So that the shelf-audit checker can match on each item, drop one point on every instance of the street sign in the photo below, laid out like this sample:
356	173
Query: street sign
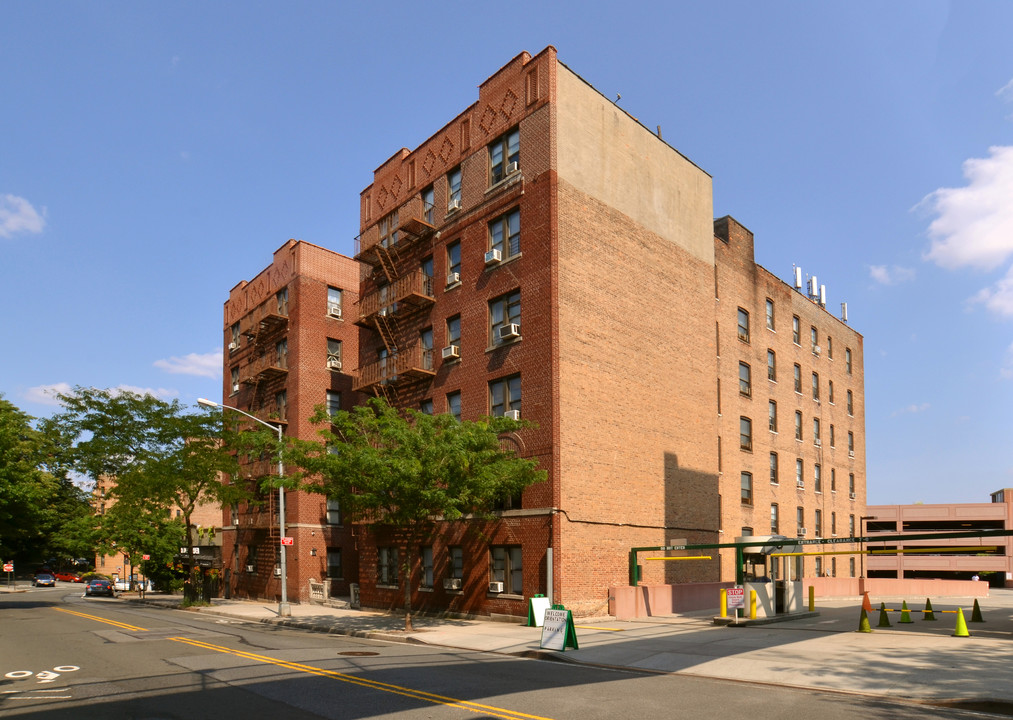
145	557
8	567
287	541
736	598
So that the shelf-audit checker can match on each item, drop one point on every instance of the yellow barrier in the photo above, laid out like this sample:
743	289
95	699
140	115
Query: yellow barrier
724	603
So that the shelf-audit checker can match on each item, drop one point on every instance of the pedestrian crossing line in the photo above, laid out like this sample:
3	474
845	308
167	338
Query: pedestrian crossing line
125	626
486	710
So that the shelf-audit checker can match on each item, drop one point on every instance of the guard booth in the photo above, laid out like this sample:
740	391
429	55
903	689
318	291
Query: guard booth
776	578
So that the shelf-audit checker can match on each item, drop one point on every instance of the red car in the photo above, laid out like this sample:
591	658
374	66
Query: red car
68	576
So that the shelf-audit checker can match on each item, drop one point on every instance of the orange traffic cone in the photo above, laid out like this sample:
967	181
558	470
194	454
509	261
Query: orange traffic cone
866	604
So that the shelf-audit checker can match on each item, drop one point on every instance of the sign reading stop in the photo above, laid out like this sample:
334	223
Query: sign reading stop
287	541
8	567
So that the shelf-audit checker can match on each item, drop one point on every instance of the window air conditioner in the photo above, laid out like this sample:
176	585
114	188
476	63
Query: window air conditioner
333	363
510	330
334	311
817	442
493	256
234	345
851	453
801	532
453	278
800	483
817	350
454	205
251	568
851	495
495	587
451	352
512	414
451	583
277	572
511	168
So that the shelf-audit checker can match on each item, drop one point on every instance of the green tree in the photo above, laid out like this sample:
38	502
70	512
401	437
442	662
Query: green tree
161	456
405	471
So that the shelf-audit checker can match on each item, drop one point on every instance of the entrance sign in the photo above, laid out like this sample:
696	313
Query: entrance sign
558	630
287	541
736	598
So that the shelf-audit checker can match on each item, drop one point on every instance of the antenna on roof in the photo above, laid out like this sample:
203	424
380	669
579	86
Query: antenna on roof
798	276
844	311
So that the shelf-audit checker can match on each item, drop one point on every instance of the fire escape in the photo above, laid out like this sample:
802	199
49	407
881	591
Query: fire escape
395	308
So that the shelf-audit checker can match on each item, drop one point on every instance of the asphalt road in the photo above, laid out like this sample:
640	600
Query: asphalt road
64	656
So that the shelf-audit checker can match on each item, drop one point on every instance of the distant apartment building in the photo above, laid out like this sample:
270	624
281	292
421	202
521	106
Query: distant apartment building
988	558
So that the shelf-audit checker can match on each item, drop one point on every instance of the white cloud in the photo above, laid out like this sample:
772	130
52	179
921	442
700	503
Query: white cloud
891	276
1005	92
46	394
160	393
911	409
999	297
18	216
206	365
974	223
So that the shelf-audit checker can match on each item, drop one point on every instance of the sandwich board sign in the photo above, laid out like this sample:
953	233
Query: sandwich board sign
558	630
537	606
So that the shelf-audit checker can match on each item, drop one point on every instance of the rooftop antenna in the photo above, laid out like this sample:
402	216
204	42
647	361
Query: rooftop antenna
618	98
798	276
823	296
844	311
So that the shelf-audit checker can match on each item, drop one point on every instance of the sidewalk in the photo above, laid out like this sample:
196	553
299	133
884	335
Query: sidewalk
920	660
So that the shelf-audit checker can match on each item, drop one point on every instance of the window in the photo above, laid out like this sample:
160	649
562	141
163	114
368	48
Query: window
333	510
847	360
819	564
771	366
814	338
426	406
770	314
851	443
774	480
505	567
816	387
772	415
833	480
743	325
800	518
234	331
798	378
454	190
388	230
746	480
386	566
334	569
832	443
251	558
851	567
799	473
851	403
745	380
851	526
798	424
830	347
429	205
504	155
282	299
426	555
334	296
333	354
796	330
833	523
333	402
281	353
830	391
851	483
505	311
818	518
505	234
775	521
235	380
426	344
817	436
745	433
818	478
454	262
454	330
281	404
426	266
455	562
454	404
504	395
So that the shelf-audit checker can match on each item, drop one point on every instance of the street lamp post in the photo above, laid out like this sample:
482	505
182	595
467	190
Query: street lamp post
284	609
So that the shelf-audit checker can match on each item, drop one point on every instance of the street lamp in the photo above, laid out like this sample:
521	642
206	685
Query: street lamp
284	609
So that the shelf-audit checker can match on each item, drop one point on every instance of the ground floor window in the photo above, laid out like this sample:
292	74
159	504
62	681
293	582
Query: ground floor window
426	554
334	570
506	568
386	566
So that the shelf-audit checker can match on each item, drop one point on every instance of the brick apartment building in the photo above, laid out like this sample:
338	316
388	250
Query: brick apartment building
288	344
544	254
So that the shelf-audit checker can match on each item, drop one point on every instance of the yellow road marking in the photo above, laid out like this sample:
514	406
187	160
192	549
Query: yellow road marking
363	682
599	627
125	626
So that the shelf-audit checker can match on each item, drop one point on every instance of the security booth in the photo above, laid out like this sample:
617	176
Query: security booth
765	568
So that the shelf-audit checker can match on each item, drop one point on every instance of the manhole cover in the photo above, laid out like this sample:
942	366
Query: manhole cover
358	653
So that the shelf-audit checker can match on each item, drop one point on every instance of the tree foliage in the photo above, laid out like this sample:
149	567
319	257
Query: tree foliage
405	470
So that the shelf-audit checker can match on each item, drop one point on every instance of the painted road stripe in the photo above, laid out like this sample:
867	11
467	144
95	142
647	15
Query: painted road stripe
599	627
488	710
125	626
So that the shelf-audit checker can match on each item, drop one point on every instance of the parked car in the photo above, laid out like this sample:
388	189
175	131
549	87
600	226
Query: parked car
44	580
99	586
68	577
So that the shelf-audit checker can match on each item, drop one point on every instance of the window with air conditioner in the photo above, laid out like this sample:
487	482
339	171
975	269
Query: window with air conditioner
504	155
333	354
334	302
451	352
505	318
506	569
504	237
505	395
454	190
453	263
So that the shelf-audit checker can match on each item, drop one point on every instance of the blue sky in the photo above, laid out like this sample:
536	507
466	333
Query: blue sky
153	155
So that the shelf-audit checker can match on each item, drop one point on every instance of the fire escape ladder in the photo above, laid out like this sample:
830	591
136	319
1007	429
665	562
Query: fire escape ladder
388	262
389	328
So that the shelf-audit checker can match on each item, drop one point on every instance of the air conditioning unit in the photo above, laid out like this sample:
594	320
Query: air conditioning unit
801	532
454	205
334	311
512	414
451	583
234	345
453	278
495	587
251	568
333	363
451	352
511	168
851	495
817	350
800	484
510	330
817	442
383	312
493	256
851	453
